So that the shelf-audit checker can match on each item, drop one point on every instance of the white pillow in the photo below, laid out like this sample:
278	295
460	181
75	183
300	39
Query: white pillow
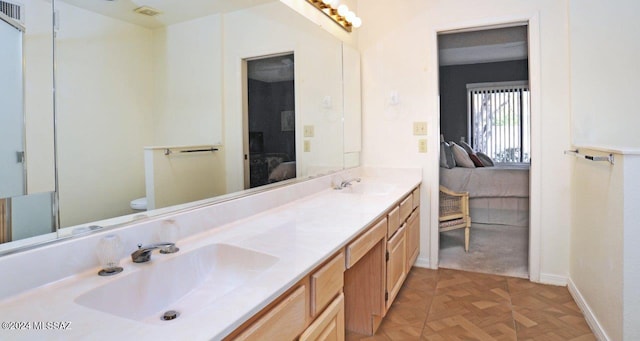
461	156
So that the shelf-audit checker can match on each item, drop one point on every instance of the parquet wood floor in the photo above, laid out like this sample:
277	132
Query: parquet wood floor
456	305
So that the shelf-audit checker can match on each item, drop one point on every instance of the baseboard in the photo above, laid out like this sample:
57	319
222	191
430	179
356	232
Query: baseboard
592	321
423	262
553	279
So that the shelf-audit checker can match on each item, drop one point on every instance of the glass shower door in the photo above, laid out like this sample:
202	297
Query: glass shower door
12	172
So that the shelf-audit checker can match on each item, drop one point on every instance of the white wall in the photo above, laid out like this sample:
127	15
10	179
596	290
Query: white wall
187	106
104	77
605	50
398	47
179	178
275	28
597	239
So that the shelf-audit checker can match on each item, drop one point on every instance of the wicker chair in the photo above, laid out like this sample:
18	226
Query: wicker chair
454	213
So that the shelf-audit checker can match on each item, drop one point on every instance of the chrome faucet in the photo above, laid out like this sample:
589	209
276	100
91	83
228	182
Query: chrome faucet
143	253
347	183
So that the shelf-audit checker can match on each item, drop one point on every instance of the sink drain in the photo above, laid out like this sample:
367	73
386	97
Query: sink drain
170	315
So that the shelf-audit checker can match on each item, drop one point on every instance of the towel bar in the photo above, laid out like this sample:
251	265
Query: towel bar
576	153
168	151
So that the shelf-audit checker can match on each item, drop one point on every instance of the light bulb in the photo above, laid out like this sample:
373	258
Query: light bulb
326	2
357	22
334	3
350	16
343	10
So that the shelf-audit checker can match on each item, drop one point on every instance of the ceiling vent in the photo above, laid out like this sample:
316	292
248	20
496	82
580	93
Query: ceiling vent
12	10
146	10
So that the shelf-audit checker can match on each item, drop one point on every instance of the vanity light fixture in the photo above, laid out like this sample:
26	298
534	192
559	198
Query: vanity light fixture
339	13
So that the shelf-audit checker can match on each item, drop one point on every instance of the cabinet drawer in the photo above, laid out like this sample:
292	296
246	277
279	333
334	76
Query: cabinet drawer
393	223
329	326
416	197
406	206
365	242
326	283
285	321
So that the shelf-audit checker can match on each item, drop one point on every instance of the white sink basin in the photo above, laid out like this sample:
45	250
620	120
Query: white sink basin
370	188
184	283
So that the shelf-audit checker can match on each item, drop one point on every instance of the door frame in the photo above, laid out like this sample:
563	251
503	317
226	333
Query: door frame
535	175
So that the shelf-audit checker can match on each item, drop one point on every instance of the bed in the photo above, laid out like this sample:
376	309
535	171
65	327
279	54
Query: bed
497	195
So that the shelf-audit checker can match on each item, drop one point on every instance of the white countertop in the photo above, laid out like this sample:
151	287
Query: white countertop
302	234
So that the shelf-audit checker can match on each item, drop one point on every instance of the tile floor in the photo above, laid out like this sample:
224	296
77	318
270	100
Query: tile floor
456	305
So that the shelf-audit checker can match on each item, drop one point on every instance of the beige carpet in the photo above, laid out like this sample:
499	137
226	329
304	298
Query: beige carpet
493	249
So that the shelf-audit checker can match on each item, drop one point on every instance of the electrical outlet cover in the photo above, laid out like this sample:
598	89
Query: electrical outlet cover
422	145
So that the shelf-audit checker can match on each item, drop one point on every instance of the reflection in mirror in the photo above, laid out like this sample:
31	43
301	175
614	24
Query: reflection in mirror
352	106
270	121
150	108
130	87
12	169
26	121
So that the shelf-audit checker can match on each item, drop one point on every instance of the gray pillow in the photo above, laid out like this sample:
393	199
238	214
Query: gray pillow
461	156
466	147
447	159
485	159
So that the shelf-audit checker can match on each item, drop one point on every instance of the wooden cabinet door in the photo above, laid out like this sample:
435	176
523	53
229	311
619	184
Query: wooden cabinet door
329	326
285	321
326	283
413	238
396	264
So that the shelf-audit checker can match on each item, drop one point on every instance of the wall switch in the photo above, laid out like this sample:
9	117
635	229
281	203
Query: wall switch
422	145
308	131
307	146
419	128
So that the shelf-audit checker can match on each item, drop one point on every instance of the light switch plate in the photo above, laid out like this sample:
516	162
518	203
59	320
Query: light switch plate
307	146
308	131
422	145
419	128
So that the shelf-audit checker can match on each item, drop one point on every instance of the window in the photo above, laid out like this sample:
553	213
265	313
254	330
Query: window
500	120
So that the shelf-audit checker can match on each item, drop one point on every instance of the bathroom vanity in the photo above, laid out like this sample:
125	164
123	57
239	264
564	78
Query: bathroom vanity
327	261
351	290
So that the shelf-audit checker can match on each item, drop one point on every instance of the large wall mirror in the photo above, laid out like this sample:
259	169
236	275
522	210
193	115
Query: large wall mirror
165	103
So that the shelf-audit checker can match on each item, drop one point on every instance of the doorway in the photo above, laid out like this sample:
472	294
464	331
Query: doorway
485	116
269	120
